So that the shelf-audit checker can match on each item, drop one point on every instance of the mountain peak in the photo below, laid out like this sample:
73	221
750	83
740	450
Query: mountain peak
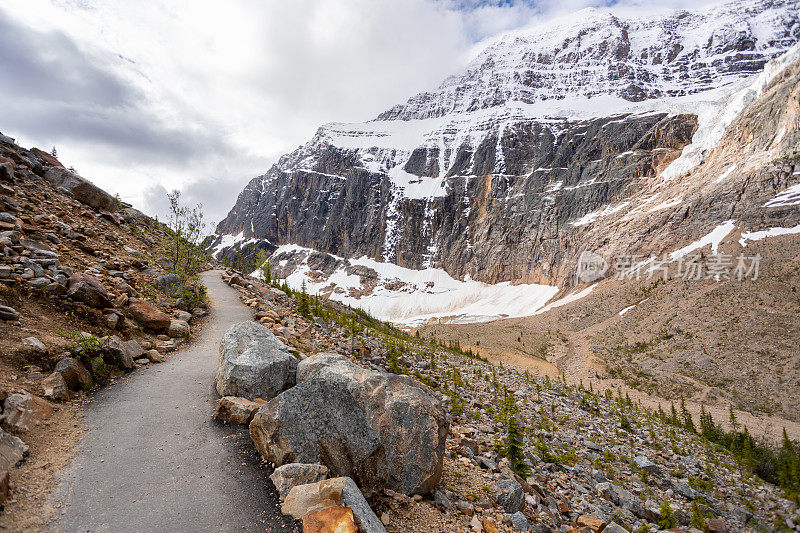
635	57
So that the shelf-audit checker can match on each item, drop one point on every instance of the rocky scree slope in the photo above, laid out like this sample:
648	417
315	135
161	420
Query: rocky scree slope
596	461
498	172
83	299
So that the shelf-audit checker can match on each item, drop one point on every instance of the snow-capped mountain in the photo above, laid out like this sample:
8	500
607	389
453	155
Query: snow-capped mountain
594	53
505	172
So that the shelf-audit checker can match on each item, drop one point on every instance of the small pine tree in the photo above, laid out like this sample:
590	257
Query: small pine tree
262	260
393	360
513	447
666	517
688	423
698	519
673	416
303	307
54	152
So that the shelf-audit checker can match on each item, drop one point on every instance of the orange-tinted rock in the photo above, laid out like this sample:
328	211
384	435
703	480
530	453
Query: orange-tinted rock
330	520
595	524
150	316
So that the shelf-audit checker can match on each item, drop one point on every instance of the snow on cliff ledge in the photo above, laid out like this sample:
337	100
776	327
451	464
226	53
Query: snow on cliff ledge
409	297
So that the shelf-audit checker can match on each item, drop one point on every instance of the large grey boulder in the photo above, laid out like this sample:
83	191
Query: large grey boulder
81	189
321	422
383	430
253	363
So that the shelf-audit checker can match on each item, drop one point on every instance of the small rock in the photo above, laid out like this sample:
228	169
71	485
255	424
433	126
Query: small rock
23	411
121	353
8	313
154	356
35	344
442	500
293	474
475	524
12	450
645	464
595	524
304	499
74	373
509	495
716	525
183	315
519	521
87	289
465	507
111	321
237	410
150	316
55	388
178	329
684	490
168	284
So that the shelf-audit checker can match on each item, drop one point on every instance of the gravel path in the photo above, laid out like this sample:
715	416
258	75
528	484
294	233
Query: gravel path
154	460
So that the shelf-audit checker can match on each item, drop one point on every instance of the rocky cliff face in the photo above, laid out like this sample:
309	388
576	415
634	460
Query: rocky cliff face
505	171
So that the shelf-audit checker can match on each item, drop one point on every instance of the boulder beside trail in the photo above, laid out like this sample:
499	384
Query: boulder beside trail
74	373
150	316
178	329
330	519
170	284
383	430
253	363
122	353
23	411
12	450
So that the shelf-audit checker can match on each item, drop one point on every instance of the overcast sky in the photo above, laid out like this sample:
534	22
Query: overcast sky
203	95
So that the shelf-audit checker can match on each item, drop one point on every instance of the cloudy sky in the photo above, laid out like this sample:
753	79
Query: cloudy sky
202	95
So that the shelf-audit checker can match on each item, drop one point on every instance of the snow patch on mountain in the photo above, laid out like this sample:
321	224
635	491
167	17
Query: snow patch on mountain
765	234
413	297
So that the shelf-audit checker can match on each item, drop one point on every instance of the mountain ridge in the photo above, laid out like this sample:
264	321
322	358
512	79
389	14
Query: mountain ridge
510	192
